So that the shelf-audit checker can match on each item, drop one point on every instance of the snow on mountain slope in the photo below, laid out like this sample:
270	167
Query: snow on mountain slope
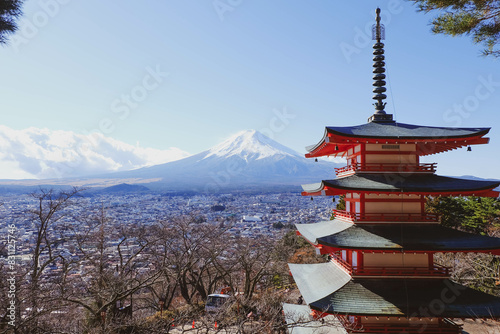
246	159
250	145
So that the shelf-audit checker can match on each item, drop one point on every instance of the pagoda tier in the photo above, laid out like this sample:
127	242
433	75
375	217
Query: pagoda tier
408	183
394	237
337	141
327	288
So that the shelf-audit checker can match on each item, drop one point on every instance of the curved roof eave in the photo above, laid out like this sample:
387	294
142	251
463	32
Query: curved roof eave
397	132
328	288
408	297
428	184
318	280
404	131
408	237
313	147
312	232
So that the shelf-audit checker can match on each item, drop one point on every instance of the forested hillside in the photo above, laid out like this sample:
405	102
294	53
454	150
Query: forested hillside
475	215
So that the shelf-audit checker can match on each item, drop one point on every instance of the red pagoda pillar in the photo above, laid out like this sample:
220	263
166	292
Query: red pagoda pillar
382	277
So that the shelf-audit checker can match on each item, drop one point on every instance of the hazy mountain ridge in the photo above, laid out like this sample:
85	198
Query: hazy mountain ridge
246	159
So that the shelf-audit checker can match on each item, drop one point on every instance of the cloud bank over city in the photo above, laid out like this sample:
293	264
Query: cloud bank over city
41	153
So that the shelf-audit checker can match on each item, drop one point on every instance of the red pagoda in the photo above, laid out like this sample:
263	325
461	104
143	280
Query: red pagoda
382	277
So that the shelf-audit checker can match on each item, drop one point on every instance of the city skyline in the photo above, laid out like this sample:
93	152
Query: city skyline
183	76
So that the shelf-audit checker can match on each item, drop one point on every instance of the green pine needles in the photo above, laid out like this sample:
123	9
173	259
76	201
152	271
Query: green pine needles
10	10
478	18
473	214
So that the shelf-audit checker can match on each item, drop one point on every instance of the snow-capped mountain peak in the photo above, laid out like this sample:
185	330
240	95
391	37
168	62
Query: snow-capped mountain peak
245	161
250	145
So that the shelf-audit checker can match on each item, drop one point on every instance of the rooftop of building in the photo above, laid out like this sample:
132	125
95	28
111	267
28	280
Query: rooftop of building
427	184
396	237
327	288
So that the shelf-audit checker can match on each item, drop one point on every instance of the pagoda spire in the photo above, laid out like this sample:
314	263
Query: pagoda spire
378	34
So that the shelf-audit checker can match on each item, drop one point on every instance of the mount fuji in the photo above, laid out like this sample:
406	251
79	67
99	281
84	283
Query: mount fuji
245	161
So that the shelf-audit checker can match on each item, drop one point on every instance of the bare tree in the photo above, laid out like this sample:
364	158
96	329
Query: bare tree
189	249
116	268
48	213
479	271
255	259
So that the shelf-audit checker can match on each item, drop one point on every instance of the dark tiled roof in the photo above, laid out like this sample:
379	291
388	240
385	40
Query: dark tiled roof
409	297
405	131
324	288
408	237
427	183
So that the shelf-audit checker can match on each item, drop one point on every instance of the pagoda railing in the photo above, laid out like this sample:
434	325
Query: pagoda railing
445	327
408	329
385	167
336	258
434	270
386	217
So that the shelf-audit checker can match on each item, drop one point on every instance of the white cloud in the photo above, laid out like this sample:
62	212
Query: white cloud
43	153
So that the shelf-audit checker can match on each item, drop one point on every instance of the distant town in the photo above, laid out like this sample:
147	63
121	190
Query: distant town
244	215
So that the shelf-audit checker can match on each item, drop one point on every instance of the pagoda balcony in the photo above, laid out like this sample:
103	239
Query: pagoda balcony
445	328
386	217
408	330
385	167
435	270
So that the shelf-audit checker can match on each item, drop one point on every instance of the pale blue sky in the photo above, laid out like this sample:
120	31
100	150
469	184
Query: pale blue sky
285	67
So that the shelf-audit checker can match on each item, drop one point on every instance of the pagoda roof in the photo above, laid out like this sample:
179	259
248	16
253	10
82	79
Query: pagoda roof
430	139
312	232
428	184
405	297
395	236
404	131
318	280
